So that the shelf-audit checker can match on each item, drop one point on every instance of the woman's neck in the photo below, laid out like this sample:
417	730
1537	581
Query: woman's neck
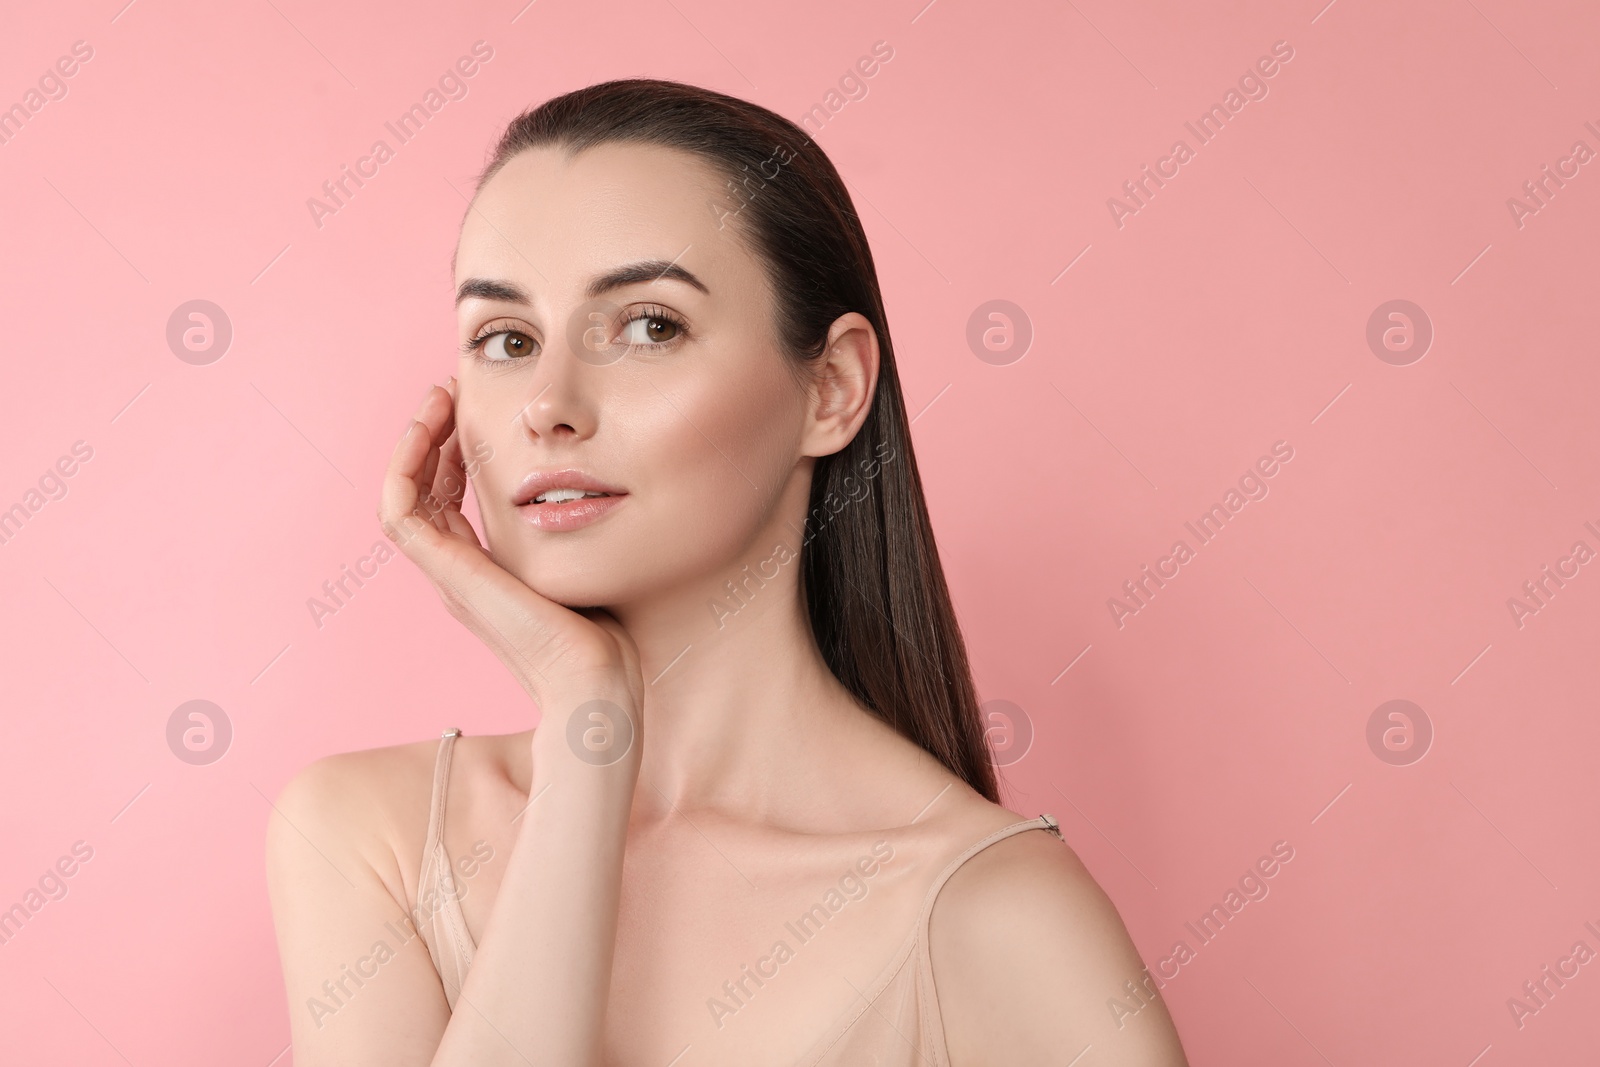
739	702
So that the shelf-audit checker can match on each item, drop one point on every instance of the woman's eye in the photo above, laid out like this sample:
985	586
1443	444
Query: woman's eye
647	330
508	344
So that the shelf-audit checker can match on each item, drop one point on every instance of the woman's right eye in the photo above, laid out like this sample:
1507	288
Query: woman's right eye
507	345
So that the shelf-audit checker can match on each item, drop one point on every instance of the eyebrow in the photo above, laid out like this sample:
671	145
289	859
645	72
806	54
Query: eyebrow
648	270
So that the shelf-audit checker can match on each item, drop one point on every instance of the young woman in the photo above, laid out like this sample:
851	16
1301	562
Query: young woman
757	822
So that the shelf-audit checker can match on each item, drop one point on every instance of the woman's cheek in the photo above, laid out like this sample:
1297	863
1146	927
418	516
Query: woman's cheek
705	485
478	452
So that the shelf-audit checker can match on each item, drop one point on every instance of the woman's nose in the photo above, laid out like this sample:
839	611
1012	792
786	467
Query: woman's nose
564	390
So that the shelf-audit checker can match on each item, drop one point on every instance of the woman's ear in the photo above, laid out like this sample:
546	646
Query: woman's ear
845	379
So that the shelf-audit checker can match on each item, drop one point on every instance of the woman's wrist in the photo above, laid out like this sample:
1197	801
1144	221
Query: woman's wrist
572	792
588	734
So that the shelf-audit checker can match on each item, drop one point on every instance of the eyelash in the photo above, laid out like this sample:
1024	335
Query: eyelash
649	311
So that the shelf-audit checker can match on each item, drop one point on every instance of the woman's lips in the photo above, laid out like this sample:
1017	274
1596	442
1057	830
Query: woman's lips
570	514
538	483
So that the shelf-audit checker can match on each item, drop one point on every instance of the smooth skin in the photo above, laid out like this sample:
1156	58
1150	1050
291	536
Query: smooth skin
618	897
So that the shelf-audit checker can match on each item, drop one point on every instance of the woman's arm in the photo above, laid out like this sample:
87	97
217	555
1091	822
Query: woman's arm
1030	956
361	987
539	982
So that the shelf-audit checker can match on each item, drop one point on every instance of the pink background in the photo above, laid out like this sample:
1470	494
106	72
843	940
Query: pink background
1229	313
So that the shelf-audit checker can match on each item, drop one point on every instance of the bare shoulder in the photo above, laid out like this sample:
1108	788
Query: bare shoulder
1029	954
344	843
364	806
372	805
370	773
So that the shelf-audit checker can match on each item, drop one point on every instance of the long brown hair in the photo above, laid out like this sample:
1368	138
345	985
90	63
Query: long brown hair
874	589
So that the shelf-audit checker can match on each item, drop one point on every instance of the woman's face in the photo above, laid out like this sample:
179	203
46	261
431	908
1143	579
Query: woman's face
621	340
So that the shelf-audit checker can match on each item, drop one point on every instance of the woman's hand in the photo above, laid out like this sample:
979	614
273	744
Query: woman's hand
541	972
559	656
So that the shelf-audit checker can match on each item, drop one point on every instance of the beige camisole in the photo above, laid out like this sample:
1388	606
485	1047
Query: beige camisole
895	1023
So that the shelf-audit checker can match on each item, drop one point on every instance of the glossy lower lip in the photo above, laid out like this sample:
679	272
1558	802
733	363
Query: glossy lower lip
571	514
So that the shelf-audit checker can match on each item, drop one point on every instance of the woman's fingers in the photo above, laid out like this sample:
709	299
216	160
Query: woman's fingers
449	488
449	480
454	488
437	413
547	646
524	628
435	421
399	499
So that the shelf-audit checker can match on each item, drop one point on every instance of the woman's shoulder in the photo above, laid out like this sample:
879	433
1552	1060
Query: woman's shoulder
372	805
355	808
389	779
358	785
1023	922
1010	890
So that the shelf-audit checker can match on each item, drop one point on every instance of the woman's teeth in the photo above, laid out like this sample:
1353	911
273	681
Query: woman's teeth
561	496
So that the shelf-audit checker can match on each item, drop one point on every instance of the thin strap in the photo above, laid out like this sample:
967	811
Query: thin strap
1043	822
441	787
936	1053
914	950
439	917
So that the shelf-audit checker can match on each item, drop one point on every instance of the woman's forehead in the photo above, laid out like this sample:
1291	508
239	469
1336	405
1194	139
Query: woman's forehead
604	192
560	219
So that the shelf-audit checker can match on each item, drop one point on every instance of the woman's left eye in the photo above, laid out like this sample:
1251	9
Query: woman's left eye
648	330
